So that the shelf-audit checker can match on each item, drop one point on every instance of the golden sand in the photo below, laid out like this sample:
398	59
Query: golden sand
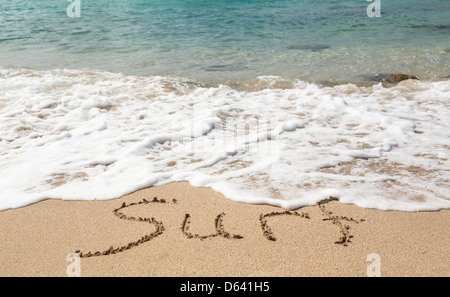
179	230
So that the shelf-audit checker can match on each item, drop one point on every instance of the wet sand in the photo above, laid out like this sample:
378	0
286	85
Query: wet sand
189	231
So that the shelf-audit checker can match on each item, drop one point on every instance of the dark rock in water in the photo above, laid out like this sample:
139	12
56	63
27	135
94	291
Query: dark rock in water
309	47
393	78
447	50
432	27
218	68
401	77
446	26
225	67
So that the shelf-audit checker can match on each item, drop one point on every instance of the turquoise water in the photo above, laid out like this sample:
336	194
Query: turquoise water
230	40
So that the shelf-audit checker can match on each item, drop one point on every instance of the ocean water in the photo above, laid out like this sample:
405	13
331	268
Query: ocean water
331	41
274	102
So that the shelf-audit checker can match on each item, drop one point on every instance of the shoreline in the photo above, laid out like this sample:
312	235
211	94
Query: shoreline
357	128
253	83
190	231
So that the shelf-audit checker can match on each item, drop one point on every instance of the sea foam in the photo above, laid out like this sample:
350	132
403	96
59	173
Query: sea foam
85	135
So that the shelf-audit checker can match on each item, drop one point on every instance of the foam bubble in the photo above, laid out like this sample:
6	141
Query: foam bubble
86	135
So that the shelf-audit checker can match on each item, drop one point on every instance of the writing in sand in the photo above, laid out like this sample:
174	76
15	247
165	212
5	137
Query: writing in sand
344	230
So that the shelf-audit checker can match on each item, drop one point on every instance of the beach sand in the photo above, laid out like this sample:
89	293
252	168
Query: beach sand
241	239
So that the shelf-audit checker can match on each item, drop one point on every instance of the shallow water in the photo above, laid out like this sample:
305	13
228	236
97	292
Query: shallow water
222	41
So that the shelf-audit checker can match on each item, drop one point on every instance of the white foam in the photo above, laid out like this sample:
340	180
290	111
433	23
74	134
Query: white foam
89	135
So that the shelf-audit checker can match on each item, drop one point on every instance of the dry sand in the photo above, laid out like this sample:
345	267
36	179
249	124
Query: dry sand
36	240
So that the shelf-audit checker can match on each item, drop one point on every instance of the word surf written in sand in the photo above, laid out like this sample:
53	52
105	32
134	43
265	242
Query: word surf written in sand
220	231
219	226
